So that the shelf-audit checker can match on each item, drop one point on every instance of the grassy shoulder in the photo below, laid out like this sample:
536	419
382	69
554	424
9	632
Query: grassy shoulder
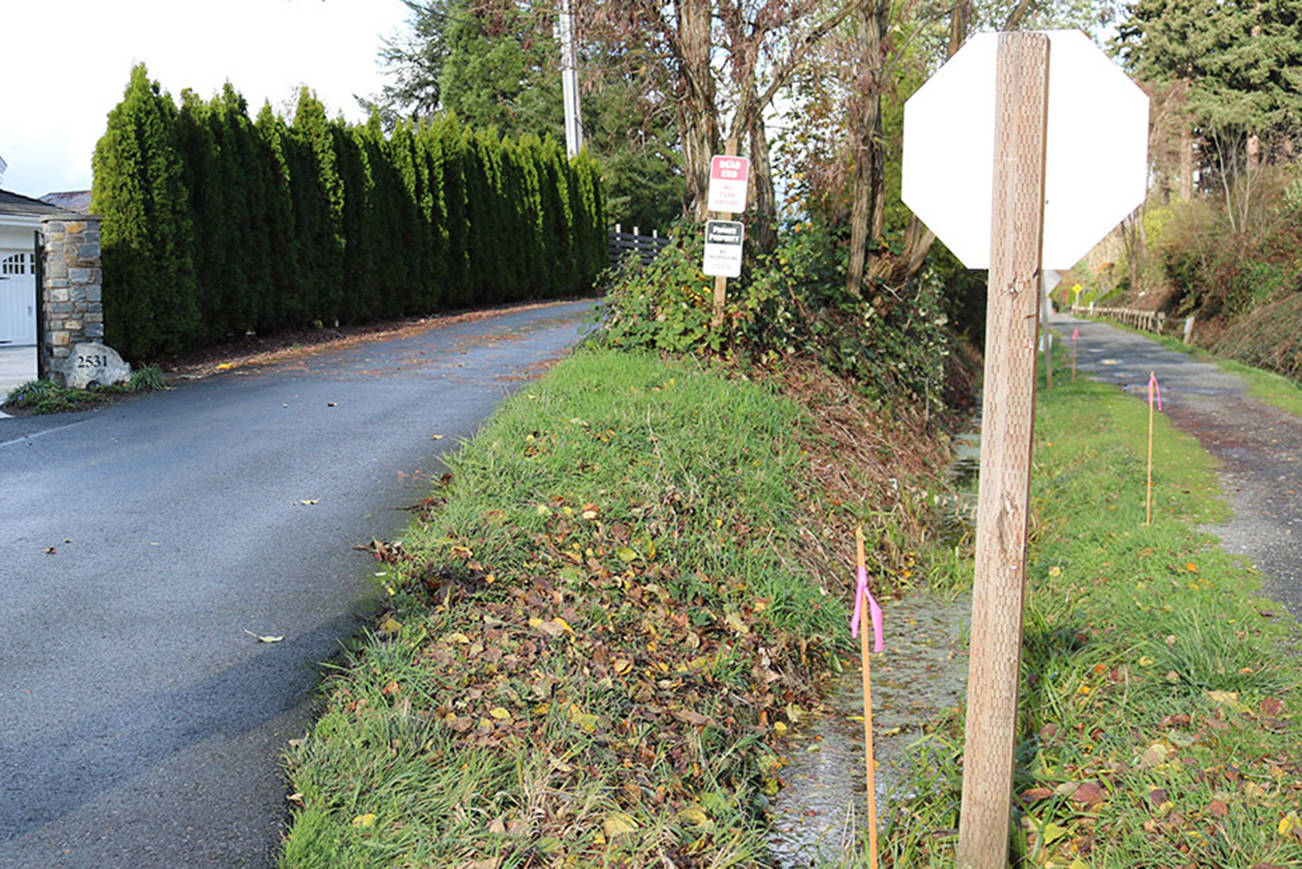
600	629
1160	718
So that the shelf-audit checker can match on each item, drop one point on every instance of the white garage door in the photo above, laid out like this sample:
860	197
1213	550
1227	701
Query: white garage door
17	297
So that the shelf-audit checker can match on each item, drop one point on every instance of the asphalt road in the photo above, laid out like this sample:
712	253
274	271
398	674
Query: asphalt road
140	725
1259	447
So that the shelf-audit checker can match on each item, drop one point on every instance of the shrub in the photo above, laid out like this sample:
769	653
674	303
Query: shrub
215	224
792	301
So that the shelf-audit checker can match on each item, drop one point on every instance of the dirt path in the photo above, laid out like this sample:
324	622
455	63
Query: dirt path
1259	446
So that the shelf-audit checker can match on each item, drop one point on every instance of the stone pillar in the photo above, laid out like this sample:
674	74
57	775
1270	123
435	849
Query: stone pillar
74	311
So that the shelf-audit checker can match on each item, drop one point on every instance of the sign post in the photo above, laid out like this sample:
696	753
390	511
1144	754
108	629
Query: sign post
1005	101
1013	299
729	175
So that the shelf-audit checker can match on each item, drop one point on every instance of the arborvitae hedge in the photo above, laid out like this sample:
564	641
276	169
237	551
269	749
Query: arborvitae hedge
215	224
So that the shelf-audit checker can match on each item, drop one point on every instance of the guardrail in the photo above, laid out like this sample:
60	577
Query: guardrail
1150	321
626	244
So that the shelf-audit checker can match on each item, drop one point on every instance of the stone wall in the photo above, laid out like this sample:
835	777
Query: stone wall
74	311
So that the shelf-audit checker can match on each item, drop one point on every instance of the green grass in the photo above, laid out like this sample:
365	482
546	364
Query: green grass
44	396
595	635
1159	721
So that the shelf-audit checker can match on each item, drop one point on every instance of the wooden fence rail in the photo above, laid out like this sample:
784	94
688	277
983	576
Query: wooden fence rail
1150	321
626	244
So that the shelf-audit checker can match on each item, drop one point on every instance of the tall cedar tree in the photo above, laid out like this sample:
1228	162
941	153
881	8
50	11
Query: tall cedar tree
146	235
284	225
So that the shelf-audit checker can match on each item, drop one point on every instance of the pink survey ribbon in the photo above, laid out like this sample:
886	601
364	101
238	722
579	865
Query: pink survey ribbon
876	612
1075	333
1154	389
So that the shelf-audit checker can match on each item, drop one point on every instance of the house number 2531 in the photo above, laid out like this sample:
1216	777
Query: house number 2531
92	361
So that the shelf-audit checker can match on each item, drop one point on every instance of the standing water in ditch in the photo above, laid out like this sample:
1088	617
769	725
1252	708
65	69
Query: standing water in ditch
820	816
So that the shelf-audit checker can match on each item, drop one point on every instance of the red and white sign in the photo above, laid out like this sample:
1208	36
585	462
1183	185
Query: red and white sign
728	178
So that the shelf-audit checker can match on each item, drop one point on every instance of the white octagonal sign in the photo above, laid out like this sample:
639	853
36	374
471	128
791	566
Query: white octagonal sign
1095	173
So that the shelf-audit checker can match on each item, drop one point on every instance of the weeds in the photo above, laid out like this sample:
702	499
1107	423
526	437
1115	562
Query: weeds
598	632
1160	717
45	396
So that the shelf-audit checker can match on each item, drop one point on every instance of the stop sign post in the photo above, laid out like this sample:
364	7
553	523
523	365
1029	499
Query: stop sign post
994	165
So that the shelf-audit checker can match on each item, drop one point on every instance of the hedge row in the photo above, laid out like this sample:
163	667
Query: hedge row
215	224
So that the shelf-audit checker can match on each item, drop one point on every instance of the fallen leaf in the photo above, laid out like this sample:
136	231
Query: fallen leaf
695	816
1218	809
51	551
390	625
1088	794
262	639
1034	795
556	627
366	820
1154	754
308	502
618	824
734	621
499	713
297	799
1272	707
1158	798
436	437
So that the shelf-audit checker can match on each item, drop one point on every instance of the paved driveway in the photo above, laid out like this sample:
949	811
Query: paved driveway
140	725
1259	446
17	366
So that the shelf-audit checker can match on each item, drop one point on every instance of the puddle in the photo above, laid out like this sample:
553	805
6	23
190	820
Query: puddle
820	815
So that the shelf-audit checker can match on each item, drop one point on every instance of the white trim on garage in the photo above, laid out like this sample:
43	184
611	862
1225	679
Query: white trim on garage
17	297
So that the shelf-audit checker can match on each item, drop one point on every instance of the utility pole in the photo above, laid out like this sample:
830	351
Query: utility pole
570	82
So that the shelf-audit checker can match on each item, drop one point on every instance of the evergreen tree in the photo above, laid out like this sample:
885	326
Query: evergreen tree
146	234
247	276
318	193
284	301
497	64
1240	60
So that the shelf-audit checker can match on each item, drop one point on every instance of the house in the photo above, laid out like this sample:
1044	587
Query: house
20	218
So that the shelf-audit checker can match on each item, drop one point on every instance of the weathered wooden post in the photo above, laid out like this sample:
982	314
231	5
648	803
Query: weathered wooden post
1045	211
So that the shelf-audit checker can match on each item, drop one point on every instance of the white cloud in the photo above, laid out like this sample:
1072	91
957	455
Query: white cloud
64	65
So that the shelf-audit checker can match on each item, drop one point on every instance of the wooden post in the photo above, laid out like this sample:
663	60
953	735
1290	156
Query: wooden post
1045	337
869	754
1021	98
1148	491
720	282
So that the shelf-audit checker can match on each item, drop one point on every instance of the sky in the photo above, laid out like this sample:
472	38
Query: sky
63	66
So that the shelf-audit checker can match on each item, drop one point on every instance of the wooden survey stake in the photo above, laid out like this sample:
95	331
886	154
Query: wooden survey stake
866	661
1017	215
1075	336
1154	391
